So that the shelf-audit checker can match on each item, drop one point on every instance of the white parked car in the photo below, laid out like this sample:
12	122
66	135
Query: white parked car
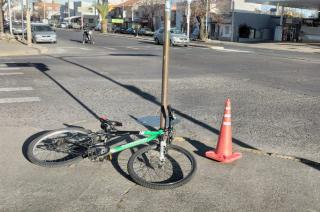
176	37
43	33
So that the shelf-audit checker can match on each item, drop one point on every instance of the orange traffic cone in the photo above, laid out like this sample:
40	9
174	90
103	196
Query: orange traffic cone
223	152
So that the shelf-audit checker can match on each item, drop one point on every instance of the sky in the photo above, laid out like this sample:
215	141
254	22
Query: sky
306	13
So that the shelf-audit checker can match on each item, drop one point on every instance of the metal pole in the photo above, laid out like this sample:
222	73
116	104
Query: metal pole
10	19
123	9
132	14
232	21
28	24
281	21
188	18
22	20
69	20
165	61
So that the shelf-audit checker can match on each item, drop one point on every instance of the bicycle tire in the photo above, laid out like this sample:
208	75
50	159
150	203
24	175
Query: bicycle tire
55	163
166	184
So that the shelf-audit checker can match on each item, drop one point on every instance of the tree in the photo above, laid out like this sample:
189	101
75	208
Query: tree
149	8
216	9
103	12
198	10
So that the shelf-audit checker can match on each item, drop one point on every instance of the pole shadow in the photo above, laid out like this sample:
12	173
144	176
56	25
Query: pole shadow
44	70
154	100
200	147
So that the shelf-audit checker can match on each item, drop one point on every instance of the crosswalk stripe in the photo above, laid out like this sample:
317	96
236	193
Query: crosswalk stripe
16	89
19	100
10	73
9	68
109	48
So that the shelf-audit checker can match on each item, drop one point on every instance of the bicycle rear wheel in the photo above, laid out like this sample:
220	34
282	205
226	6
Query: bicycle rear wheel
146	169
59	147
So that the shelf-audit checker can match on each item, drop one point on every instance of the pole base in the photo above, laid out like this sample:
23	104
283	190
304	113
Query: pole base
223	158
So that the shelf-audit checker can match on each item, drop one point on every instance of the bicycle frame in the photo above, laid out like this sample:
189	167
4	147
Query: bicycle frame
150	136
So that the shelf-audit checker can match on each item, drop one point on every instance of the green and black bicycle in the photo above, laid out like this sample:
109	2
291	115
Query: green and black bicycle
160	165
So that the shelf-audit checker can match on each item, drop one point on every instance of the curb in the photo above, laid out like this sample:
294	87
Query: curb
270	154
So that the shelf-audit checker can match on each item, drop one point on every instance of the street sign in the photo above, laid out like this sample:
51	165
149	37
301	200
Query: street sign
117	21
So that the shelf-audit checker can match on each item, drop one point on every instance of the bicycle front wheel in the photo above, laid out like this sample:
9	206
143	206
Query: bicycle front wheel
59	147
146	169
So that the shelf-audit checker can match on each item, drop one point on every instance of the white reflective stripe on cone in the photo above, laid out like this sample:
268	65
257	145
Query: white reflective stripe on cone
227	115
228	108
227	123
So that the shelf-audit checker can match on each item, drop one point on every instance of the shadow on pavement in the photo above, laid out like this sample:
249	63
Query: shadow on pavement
154	100
43	69
77	41
201	148
310	163
145	42
146	126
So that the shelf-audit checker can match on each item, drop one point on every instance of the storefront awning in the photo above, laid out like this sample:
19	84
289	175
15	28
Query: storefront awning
305	4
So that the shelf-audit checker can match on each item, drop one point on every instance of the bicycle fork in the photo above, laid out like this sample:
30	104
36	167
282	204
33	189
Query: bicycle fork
163	145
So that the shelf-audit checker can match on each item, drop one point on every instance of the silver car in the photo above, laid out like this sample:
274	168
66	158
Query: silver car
43	33
176	37
17	29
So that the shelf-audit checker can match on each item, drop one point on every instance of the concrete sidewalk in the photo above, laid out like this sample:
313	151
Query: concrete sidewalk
281	46
257	182
17	48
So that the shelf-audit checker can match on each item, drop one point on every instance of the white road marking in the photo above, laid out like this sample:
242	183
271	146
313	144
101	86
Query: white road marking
85	49
109	48
221	48
3	65
235	50
19	100
10	73
216	47
134	48
16	89
9	68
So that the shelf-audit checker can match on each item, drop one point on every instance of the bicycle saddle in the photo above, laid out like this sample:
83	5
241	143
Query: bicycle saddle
104	120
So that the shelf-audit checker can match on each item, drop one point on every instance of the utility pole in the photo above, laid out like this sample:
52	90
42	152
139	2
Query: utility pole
22	20
188	17
28	24
165	62
10	18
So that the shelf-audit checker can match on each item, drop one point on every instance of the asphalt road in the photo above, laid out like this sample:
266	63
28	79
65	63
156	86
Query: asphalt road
275	100
275	97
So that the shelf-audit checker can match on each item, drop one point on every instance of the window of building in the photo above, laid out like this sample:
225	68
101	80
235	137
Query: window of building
226	30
